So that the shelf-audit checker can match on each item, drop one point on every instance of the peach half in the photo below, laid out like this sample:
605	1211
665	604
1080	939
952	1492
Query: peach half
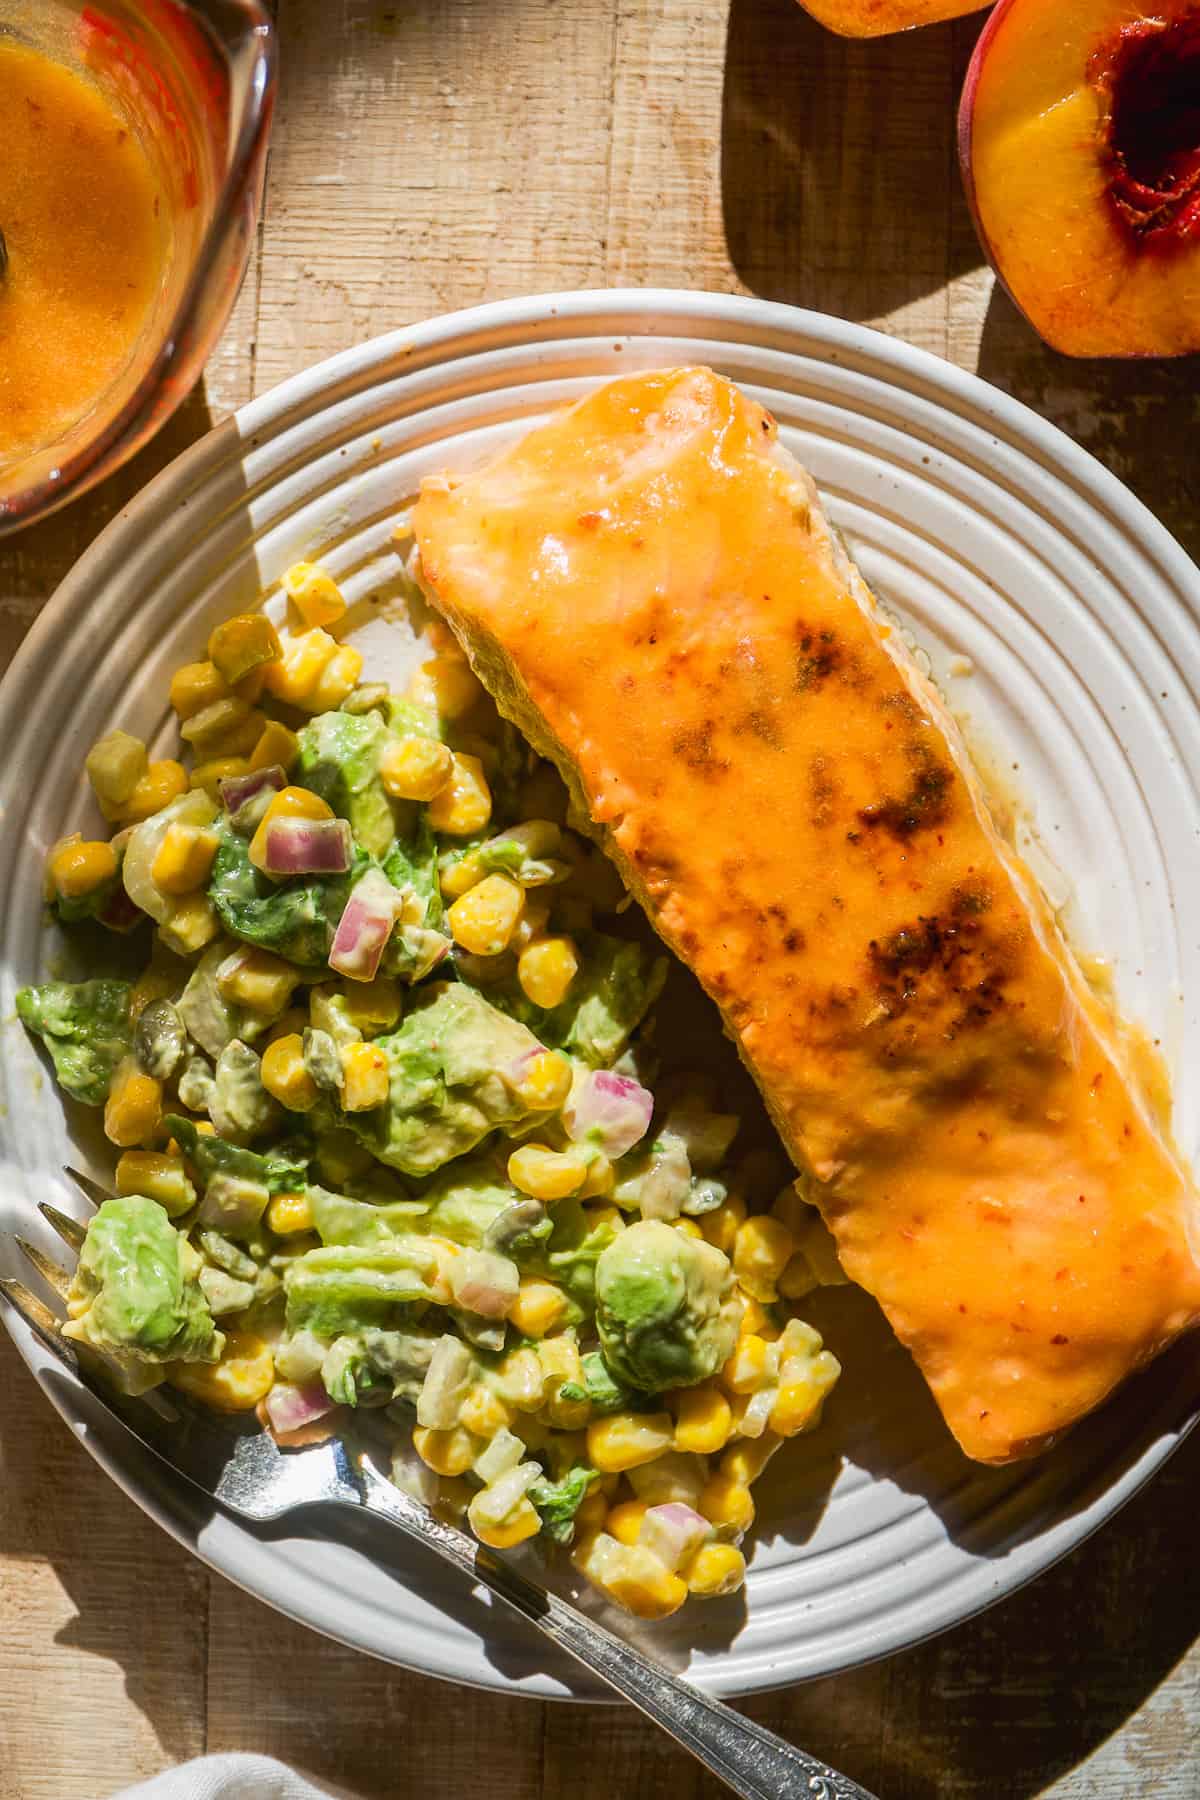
1079	136
876	18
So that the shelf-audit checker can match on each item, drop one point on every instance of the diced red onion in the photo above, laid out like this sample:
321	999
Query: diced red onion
610	1111
308	847
365	927
289	1408
484	1283
237	789
673	1532
119	912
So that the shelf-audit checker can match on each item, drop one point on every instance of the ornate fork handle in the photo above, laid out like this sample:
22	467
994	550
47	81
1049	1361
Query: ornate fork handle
752	1761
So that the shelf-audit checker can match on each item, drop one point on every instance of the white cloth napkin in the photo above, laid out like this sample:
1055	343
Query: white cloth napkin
231	1777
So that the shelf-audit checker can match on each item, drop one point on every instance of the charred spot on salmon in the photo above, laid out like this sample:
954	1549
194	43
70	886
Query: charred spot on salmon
818	655
695	746
762	725
822	788
926	804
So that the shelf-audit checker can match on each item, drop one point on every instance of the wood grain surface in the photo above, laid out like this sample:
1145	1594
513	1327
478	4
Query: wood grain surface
430	154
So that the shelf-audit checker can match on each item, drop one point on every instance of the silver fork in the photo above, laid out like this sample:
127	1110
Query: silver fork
243	1468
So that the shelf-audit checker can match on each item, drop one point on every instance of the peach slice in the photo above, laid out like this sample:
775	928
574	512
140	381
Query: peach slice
876	18
1079	136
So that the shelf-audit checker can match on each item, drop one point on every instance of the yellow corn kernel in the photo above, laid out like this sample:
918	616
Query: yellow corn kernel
458	877
276	745
755	1318
285	1076
464	805
133	1111
445	1452
689	1227
288	1213
720	1227
703	1420
762	1250
546	1174
590	1513
244	1376
745	1460
289	803
373	1006
242	644
483	920
292	1020
314	593
453	687
749	1368
715	1569
624	1521
163	782
484	1413
184	859
726	1504
797	1405
545	1081
627	1440
601	1177
195	686
606	1215
305	658
258	980
538	1308
228	727
115	764
522	1522
365	1077
158	1177
191	924
77	868
151	984
415	768
338	680
546	969
795	1213
645	1586
209	775
204	1126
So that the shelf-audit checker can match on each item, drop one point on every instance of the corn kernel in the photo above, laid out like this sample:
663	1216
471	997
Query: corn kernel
305	658
745	1460
689	1227
76	868
761	1252
457	877
455	690
133	1112
538	1308
546	970
624	1521
445	1452
720	1227
627	1440
464	805
209	775
242	644
228	727
415	768
338	680
184	859
797	1405
258	980
191	924
158	1177
115	764
482	921
195	686
314	593
163	782
545	1081
590	1513
289	803
277	745
546	1174
373	1006
365	1077
285	1076
645	1586
755	1317
794	1212
287	1213
484	1413
727	1504
703	1420
522	1522
715	1569
151	984
243	1377
749	1368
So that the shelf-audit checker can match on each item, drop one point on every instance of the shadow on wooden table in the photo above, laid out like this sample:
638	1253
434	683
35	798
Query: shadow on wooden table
838	166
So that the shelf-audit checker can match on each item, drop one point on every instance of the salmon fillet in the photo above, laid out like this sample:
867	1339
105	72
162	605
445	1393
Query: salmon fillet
649	587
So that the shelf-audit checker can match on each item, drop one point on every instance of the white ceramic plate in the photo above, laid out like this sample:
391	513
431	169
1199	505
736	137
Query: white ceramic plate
999	541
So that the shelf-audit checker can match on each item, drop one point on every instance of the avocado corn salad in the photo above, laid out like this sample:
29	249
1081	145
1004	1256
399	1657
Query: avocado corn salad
386	1139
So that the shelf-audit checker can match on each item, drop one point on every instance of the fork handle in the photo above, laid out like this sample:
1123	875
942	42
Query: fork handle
752	1761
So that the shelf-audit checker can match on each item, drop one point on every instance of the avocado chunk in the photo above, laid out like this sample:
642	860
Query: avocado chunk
339	760
85	1027
664	1307
295	918
137	1288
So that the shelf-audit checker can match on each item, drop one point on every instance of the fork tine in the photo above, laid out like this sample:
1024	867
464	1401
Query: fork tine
49	1270
91	1190
38	1317
69	1230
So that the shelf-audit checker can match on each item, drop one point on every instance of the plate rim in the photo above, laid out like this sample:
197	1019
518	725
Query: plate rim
529	320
